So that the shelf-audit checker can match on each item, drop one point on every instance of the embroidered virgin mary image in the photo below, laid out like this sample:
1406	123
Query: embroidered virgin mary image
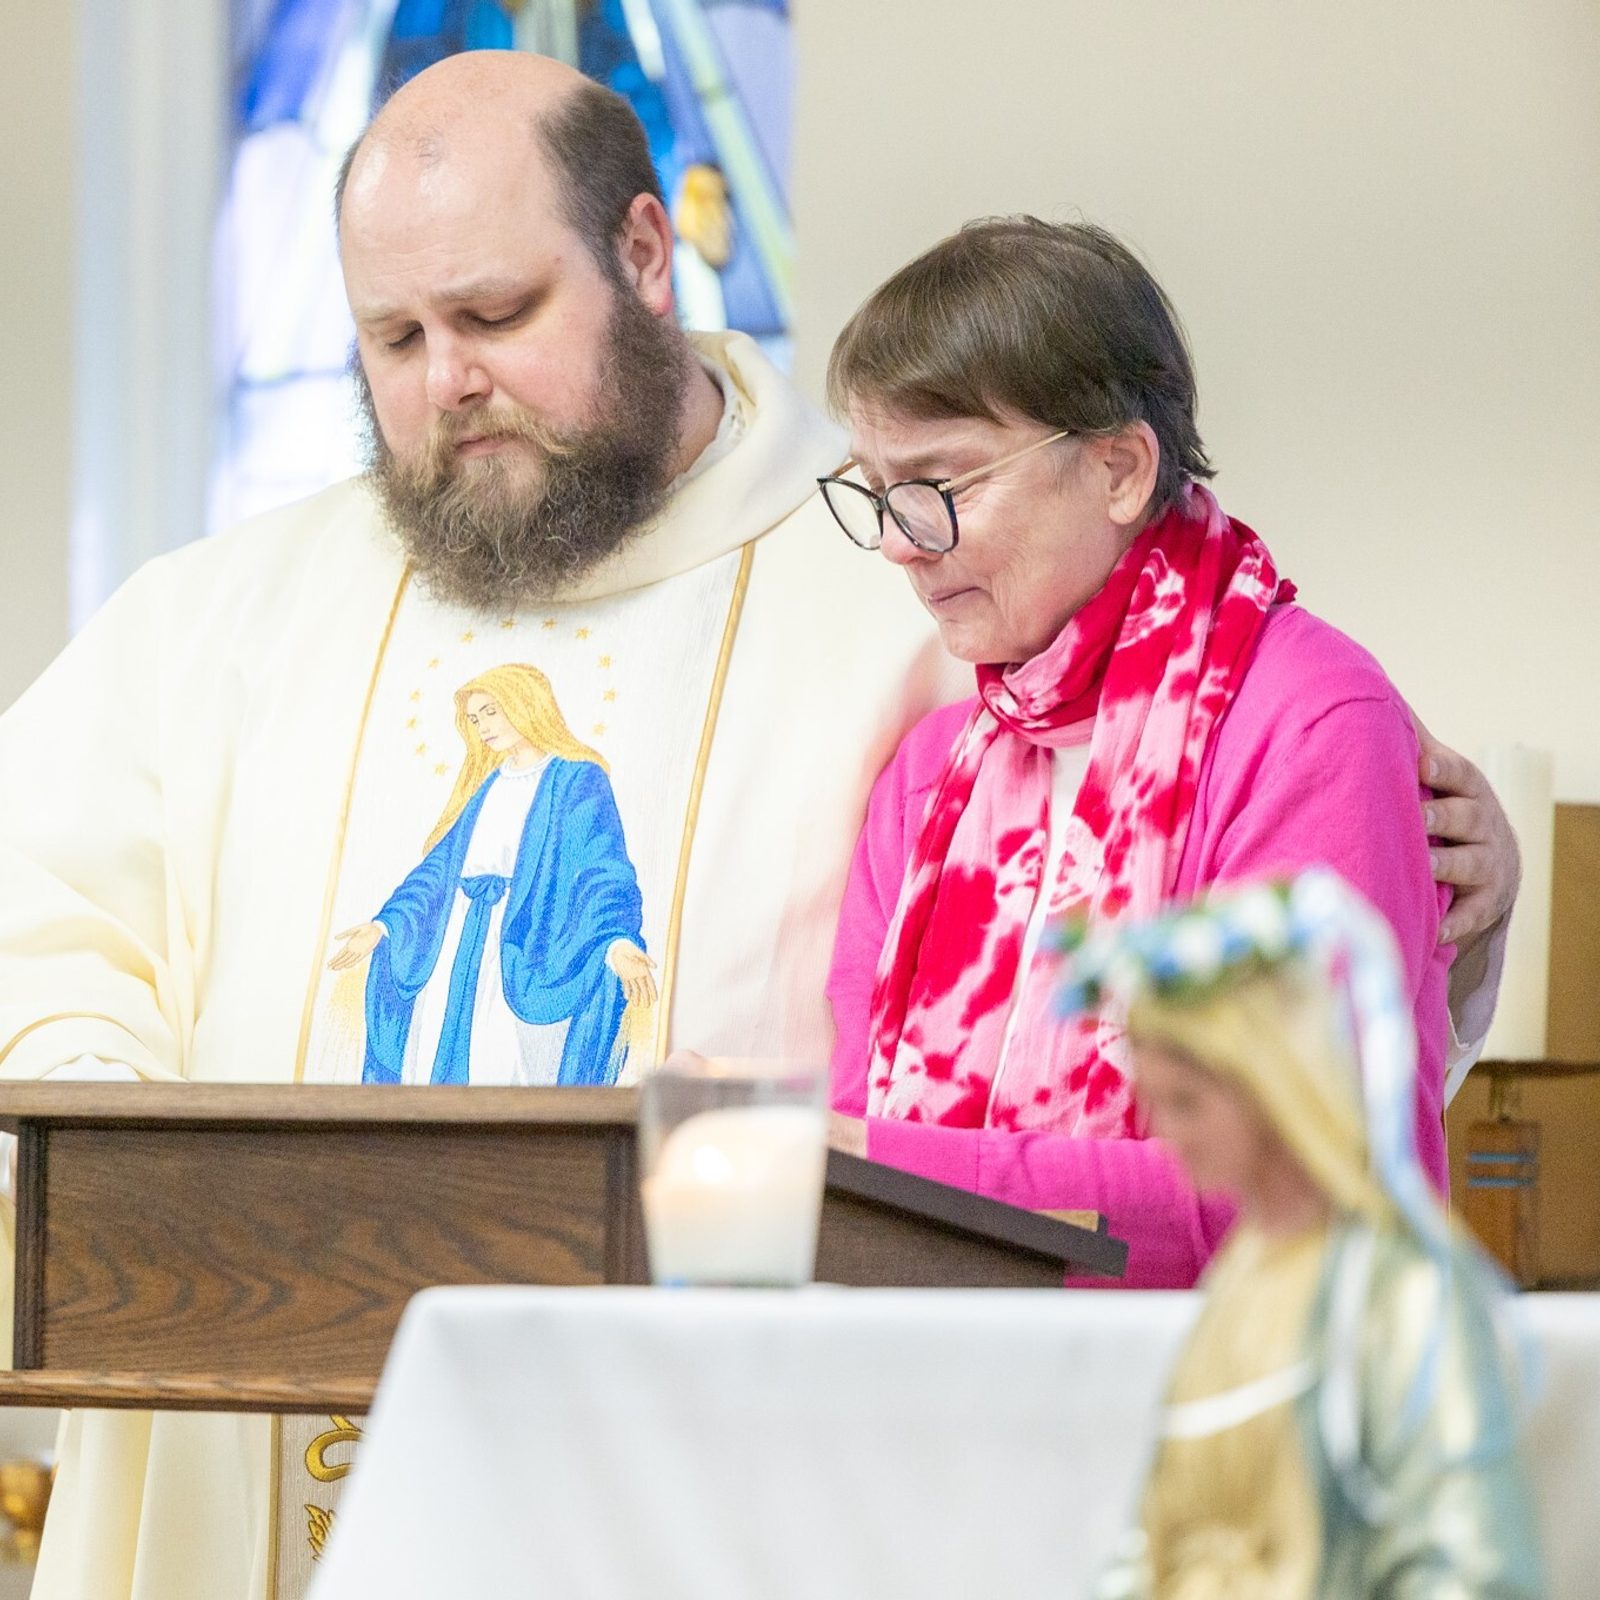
512	953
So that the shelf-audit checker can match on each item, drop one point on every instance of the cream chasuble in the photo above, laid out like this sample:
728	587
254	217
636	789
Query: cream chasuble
270	742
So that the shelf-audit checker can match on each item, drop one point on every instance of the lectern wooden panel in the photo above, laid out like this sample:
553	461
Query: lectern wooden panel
196	1248
252	1248
890	1230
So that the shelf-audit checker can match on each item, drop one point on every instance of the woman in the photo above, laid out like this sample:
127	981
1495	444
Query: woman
1342	1420
512	952
1154	714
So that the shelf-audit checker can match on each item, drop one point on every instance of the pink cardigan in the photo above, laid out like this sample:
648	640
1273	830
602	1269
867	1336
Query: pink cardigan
1315	762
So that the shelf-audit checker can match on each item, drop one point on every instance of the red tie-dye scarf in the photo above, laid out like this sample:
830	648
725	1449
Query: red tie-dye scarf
1154	658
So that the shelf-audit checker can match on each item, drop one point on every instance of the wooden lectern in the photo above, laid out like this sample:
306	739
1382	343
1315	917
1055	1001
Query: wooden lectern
251	1248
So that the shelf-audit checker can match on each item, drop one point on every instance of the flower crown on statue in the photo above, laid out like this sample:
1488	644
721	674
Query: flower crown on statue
1188	952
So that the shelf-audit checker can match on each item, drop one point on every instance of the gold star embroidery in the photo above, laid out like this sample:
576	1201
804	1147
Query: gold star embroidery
416	694
411	723
440	770
549	622
611	694
599	728
468	636
582	633
508	622
605	661
422	749
432	664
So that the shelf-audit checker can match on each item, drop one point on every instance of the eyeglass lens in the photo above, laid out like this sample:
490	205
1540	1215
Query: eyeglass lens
922	515
855	513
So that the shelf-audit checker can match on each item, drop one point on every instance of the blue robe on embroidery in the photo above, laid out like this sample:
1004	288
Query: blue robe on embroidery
572	893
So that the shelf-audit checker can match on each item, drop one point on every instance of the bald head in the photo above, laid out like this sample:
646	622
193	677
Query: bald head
475	86
485	112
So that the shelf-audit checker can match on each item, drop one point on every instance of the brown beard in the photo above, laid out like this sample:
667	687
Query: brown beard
489	533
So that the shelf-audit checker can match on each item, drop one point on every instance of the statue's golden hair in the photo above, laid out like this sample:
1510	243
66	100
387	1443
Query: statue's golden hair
1278	1034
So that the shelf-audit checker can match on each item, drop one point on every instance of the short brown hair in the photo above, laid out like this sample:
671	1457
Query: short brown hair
602	161
1057	322
601	157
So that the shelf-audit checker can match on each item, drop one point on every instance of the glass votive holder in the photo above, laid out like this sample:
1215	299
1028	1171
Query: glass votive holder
732	1155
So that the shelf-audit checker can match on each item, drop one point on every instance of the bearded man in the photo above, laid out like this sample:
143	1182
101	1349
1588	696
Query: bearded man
586	545
587	550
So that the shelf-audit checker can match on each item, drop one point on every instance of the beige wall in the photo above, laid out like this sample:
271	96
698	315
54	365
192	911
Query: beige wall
1381	223
36	202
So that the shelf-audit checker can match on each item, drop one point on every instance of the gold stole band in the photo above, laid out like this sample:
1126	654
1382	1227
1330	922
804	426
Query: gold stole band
312	1458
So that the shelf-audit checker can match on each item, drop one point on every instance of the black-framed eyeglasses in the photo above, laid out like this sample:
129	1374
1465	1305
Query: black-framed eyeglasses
924	509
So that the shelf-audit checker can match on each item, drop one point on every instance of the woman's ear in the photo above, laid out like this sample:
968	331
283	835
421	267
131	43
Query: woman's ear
1131	460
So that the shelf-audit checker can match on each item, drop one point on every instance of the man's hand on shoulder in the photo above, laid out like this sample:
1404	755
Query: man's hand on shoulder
1475	849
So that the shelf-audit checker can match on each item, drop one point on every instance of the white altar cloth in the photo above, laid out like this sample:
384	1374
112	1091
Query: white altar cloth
619	1444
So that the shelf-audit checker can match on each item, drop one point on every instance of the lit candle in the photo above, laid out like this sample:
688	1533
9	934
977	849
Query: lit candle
734	1196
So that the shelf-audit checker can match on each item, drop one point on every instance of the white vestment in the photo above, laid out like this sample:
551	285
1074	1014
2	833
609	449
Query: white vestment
245	752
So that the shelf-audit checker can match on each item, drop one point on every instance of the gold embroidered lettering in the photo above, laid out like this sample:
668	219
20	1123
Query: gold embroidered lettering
343	1431
319	1524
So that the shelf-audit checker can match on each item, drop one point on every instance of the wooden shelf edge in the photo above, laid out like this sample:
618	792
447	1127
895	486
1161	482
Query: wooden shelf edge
155	1391
1548	1068
147	1105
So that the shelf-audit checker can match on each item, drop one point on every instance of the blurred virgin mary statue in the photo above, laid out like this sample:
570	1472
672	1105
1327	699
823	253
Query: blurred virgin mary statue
1342	1422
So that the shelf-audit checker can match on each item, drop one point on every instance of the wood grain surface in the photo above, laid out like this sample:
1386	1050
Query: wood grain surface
184	1250
155	1104
28	1314
164	1391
